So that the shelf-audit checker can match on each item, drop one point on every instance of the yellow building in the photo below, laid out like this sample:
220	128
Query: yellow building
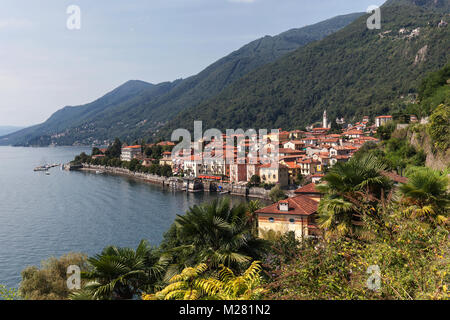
274	174
295	214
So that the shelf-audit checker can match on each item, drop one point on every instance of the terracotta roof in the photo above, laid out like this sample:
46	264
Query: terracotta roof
309	188
166	143
387	117
299	205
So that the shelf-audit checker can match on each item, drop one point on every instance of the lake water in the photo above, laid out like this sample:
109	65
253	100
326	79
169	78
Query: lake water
49	215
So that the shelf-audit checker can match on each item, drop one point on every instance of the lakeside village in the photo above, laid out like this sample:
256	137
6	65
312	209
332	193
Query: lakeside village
302	159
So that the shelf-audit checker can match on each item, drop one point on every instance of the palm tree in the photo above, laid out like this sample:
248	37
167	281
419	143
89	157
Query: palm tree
216	233
425	196
121	273
193	284
350	188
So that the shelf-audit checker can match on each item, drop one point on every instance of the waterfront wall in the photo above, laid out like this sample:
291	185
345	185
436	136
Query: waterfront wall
176	183
154	179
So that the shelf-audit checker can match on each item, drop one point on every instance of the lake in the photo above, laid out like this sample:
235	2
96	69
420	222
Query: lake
50	215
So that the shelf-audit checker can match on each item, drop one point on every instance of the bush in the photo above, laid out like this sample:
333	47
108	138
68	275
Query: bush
439	128
49	282
276	194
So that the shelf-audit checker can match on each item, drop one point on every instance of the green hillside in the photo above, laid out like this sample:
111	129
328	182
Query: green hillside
352	73
136	109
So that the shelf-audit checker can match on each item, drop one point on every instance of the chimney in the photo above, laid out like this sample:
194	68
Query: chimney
284	206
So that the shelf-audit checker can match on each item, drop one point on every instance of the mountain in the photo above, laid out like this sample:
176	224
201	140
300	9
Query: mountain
8	129
352	73
138	109
63	124
440	5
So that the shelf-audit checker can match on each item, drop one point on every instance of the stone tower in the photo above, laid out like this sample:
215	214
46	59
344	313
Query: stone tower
325	120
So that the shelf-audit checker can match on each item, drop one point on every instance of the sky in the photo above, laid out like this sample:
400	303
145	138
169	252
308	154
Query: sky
45	66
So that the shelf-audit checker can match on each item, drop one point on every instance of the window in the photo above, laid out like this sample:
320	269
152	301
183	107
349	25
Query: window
271	220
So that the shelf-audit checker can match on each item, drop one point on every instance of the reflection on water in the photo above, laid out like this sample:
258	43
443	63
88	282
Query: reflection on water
49	215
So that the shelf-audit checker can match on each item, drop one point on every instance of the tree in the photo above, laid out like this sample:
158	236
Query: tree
134	165
255	180
276	194
425	196
350	188
115	149
299	179
122	273
50	281
96	151
216	233
385	132
192	284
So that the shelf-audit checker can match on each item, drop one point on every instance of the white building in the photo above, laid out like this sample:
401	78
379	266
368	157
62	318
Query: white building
382	120
130	152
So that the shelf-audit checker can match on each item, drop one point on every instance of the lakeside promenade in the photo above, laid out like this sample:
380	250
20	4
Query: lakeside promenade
176	183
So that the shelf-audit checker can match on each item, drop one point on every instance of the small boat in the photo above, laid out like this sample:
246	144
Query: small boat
99	172
47	173
42	168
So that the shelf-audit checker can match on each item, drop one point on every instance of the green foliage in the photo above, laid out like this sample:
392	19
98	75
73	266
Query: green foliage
255	181
412	257
122	273
277	194
115	149
396	153
8	293
50	281
425	196
433	82
214	233
192	284
385	132
350	188
439	127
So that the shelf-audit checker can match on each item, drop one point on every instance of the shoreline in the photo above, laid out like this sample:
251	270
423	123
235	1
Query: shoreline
173	183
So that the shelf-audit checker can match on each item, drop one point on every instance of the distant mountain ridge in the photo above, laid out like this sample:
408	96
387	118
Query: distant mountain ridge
9	129
138	109
354	72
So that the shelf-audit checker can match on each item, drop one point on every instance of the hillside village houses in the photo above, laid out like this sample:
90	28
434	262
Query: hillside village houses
279	158
282	157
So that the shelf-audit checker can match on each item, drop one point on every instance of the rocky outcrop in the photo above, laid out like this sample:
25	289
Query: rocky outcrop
421	140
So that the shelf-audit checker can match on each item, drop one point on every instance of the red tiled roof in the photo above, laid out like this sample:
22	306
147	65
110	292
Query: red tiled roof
299	205
166	143
387	117
309	188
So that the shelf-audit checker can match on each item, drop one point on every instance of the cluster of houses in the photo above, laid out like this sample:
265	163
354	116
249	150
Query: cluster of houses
279	161
282	157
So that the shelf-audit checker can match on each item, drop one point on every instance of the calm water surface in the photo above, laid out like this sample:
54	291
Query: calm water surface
43	216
